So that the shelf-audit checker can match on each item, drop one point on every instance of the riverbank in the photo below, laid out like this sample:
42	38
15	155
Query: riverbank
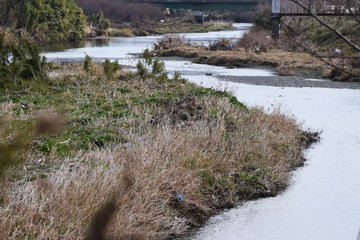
286	63
162	154
167	26
255	49
291	81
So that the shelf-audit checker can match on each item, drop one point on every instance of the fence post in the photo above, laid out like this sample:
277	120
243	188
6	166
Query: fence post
275	15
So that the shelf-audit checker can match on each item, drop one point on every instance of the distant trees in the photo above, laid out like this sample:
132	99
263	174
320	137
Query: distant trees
48	20
121	11
99	20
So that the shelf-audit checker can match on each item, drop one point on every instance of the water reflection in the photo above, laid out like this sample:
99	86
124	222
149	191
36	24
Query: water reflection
62	46
125	50
131	45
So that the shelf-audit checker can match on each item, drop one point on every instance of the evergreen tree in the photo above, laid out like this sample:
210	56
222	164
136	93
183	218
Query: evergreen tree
49	20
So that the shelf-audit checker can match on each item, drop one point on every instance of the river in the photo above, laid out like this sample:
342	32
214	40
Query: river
323	200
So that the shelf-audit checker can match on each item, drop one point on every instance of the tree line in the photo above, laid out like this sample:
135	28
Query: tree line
46	20
121	11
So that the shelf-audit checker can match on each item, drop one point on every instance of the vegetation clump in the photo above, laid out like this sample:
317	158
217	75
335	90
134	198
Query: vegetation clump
98	23
88	64
159	154
20	59
110	68
45	20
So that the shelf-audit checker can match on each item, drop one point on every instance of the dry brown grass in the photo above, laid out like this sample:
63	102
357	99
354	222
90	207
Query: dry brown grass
146	175
241	57
255	49
216	156
217	23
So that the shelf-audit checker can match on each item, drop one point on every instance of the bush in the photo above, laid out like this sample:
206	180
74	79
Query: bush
151	68
48	20
87	66
170	41
110	68
20	59
257	40
99	22
221	45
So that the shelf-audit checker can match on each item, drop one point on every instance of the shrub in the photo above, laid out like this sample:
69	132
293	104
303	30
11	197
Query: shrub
151	68
170	41
20	59
110	68
49	20
99	22
87	66
257	40
221	45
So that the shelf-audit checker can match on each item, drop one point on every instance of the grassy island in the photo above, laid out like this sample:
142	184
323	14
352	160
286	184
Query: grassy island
101	150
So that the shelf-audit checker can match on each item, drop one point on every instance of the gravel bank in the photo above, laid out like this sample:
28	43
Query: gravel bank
286	81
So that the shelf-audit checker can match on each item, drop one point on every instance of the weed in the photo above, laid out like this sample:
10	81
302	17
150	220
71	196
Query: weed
20	59
150	68
88	64
110	68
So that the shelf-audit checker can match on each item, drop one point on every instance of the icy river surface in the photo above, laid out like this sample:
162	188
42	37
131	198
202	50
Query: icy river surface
323	200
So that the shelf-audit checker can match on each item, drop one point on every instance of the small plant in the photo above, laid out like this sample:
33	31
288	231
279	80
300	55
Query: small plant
88	65
110	68
151	68
177	77
142	71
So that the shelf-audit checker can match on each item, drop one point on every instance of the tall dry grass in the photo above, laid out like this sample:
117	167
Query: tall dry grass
210	150
145	176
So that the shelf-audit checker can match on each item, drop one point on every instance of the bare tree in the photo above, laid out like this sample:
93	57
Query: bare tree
333	39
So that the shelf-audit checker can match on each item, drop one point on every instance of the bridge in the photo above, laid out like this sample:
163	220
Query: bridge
204	4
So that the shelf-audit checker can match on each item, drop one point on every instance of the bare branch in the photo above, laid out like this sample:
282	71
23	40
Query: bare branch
339	34
318	56
354	11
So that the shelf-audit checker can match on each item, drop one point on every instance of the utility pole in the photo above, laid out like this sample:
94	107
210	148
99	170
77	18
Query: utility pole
275	15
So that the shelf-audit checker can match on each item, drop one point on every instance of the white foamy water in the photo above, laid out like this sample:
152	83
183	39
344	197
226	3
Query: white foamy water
323	200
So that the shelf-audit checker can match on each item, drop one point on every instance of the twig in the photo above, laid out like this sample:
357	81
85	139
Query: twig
347	40
315	54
